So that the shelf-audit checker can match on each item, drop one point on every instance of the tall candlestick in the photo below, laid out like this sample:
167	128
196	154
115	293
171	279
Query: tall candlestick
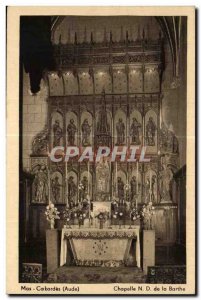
116	180
66	164
137	177
88	178
49	179
150	185
137	186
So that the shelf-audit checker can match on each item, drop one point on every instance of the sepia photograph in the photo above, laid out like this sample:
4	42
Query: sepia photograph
103	119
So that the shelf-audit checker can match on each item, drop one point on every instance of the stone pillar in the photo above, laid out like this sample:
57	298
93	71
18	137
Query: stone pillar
52	249
148	249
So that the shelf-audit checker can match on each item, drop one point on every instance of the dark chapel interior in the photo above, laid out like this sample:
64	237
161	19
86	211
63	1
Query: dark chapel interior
111	71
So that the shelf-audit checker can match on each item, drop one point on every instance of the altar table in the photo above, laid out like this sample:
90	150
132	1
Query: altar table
104	247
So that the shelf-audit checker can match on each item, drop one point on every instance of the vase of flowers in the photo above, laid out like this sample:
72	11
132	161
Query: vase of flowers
81	217
102	217
52	214
147	213
134	215
67	216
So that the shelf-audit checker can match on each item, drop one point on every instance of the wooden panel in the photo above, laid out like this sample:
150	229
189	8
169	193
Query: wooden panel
148	249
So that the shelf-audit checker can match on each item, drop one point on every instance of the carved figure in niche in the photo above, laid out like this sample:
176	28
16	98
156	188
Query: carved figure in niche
165	183
40	185
84	191
71	130
153	188
72	189
120	127
58	132
135	131
147	190
56	188
102	175
168	139
39	144
150	132
120	188
86	130
133	184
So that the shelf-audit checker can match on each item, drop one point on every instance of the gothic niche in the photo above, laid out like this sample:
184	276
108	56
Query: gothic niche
150	187
103	125
135	185
86	129
151	130
135	131
166	181
168	140
86	181
57	129
40	191
71	129
102	180
72	183
40	141
57	187
120	128
120	185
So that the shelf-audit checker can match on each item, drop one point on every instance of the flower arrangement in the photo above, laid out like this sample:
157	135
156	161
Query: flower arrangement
67	215
147	213
134	214
102	216
51	214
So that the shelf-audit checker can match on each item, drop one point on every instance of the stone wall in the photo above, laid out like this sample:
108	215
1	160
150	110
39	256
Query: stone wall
34	117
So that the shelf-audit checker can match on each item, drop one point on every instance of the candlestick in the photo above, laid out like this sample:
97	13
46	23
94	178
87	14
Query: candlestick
137	186
137	177
49	179
66	163
116	180
88	178
150	185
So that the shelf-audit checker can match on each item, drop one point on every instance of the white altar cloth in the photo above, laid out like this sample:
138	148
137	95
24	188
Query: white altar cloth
80	239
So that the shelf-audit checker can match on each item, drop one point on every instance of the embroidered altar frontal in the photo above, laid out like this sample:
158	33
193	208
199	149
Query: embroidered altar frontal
100	248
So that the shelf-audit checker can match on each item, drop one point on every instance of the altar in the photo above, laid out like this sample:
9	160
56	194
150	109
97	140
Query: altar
99	247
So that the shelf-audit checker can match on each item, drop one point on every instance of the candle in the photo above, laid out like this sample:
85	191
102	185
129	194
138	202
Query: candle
49	179
137	178
150	184
88	178
66	182
116	180
137	185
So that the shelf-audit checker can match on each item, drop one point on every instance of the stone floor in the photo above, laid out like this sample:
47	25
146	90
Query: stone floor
72	274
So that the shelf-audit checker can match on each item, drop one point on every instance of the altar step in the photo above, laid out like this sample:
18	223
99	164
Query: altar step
73	274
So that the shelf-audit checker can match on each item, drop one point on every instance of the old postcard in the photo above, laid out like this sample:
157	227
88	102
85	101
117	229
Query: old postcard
101	150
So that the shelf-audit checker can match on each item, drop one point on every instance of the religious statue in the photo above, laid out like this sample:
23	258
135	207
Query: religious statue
71	129
56	187
168	139
147	190
58	132
150	132
102	176
120	188
165	183
154	188
40	141
41	185
133	184
86	131
84	191
72	189
135	132
120	127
